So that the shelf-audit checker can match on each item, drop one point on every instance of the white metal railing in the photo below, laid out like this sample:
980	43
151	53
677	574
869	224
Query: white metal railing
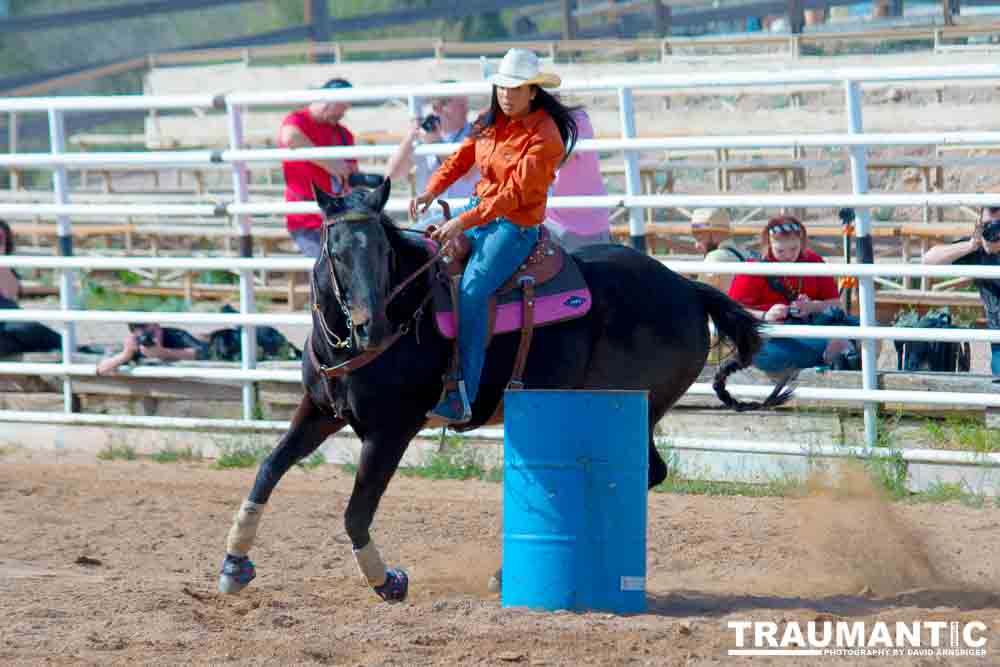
240	209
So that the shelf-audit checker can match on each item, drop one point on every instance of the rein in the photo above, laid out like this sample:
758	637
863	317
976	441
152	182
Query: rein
370	355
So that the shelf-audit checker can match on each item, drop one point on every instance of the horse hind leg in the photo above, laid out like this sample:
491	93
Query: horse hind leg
310	427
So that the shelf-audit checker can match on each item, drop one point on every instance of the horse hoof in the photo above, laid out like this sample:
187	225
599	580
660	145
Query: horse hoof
396	585
496	581
237	572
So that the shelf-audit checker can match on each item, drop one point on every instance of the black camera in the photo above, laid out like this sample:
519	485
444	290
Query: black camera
991	231
147	339
431	123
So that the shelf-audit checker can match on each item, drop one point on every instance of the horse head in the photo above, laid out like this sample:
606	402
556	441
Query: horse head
351	277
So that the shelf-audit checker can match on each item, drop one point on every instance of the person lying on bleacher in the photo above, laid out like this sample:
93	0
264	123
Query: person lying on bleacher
151	341
19	337
812	300
980	249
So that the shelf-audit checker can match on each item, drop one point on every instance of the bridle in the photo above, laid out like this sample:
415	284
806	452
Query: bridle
338	343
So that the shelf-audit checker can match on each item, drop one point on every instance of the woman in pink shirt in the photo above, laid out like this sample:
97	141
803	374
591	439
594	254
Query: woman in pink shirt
575	228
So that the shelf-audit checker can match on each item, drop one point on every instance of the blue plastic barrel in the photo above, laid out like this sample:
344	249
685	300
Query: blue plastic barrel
574	500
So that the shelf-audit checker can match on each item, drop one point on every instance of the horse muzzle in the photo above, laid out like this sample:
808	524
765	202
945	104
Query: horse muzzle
371	333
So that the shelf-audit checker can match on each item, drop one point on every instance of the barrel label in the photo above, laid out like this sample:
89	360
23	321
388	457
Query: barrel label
633	583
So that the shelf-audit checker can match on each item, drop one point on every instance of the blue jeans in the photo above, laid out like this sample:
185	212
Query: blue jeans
498	249
995	359
780	354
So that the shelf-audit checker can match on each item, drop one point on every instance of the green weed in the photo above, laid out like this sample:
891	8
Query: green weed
313	461
963	433
117	452
172	455
242	454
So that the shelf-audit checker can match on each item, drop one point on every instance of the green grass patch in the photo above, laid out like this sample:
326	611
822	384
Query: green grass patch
454	460
943	492
889	473
240	454
313	461
172	455
962	433
780	487
117	453
451	461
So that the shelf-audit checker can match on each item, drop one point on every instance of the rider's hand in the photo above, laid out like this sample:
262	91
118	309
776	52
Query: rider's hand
776	313
419	204
448	231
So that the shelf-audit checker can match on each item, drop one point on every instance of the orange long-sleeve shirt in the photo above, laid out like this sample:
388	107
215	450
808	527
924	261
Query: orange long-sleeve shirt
518	161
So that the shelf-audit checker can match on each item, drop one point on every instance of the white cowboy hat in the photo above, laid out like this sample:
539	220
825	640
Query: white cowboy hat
520	68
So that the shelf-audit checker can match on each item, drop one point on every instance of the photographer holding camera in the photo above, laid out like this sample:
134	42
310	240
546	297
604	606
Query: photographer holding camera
981	249
811	300
447	123
152	341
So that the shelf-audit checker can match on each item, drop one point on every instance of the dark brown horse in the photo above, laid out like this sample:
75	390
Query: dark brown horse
647	330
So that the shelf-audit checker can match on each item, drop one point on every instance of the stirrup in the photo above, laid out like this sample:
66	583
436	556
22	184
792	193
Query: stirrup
454	406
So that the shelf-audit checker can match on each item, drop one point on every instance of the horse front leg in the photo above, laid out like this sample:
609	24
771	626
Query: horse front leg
380	457
310	427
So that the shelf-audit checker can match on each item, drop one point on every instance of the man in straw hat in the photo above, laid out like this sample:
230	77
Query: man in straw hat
712	232
980	249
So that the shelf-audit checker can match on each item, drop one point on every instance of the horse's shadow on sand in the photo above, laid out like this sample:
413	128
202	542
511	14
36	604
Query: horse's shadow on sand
686	603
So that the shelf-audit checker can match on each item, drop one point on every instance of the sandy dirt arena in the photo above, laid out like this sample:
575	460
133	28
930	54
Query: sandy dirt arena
116	563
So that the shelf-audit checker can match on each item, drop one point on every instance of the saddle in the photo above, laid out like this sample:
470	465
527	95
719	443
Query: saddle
547	288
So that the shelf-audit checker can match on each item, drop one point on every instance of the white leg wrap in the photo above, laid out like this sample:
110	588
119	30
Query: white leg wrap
371	565
244	530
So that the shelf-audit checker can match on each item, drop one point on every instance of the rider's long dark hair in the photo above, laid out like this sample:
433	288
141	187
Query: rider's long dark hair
560	113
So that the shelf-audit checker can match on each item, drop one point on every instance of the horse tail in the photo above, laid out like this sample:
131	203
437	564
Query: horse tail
742	329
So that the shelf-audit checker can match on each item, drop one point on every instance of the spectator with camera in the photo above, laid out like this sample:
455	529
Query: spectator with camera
152	341
980	249
318	124
812	300
447	123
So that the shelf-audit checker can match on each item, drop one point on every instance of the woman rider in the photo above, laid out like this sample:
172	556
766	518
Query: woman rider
517	144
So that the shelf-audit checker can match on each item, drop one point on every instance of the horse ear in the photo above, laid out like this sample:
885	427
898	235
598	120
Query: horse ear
329	204
376	198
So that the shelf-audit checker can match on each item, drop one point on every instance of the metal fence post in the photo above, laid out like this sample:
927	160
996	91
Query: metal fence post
67	297
248	337
15	176
865	255
633	182
415	106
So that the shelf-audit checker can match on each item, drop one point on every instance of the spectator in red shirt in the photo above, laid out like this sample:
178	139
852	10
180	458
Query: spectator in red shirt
315	125
795	300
